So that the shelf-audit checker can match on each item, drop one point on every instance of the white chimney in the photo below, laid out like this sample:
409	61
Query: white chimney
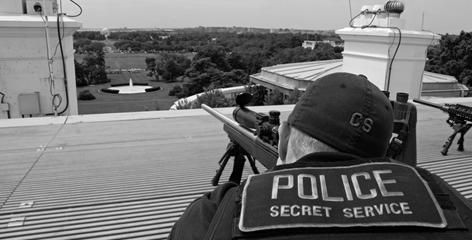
371	43
11	7
24	75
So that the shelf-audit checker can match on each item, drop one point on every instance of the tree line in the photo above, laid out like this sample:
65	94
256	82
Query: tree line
227	59
452	56
205	61
201	60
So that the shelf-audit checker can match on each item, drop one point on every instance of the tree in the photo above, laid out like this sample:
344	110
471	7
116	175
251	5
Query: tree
216	54
171	70
86	95
94	47
151	66
466	77
274	97
80	44
293	97
92	68
91	35
213	98
235	61
258	94
172	66
200	66
233	78
80	74
453	56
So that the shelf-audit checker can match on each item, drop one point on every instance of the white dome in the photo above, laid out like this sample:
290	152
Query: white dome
105	31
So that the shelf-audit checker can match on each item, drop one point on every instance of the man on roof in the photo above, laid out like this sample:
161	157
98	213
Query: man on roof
332	180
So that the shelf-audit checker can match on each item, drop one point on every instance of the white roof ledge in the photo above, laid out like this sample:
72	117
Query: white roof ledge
127	116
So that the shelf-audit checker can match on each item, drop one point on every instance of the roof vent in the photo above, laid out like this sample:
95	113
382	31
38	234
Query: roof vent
394	6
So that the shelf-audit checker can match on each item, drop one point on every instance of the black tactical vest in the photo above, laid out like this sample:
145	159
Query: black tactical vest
366	201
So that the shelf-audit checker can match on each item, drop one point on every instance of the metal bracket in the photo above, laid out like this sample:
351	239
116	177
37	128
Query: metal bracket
26	204
16	222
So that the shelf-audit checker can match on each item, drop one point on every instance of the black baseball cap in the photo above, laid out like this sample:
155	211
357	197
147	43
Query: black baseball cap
346	112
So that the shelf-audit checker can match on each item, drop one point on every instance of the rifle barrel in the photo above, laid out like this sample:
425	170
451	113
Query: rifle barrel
263	152
229	122
434	105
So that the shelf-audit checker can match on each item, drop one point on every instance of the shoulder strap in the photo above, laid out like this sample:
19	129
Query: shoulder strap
226	207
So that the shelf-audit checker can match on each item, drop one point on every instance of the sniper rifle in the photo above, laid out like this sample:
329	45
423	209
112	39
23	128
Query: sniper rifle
460	118
252	136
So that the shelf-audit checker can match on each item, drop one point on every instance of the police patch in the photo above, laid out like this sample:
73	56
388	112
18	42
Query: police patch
375	194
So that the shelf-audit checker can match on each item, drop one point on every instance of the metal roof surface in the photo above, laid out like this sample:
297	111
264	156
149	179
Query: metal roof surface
306	70
430	77
127	177
311	71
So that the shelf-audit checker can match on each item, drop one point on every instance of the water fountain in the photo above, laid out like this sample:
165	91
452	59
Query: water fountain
130	88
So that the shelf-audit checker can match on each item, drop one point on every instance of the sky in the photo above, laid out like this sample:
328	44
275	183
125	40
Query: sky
440	16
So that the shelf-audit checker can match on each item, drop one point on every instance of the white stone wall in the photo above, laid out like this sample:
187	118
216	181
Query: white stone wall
24	64
369	51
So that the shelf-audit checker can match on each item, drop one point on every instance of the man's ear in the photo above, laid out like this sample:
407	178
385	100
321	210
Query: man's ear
284	135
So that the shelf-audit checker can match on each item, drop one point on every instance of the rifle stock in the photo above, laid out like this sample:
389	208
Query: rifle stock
263	152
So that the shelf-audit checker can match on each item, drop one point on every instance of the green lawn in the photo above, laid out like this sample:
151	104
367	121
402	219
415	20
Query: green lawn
110	103
127	60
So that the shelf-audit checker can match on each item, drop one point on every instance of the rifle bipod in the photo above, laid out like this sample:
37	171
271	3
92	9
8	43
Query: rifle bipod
461	127
240	156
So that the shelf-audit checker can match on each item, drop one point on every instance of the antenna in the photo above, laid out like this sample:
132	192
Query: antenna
350	9
422	22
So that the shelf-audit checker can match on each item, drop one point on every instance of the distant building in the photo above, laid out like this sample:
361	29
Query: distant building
309	44
312	44
287	77
107	49
435	84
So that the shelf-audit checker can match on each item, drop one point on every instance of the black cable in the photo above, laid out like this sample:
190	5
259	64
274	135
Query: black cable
371	21
80	8
363	12
352	19
57	45
398	45
394	55
63	66
3	96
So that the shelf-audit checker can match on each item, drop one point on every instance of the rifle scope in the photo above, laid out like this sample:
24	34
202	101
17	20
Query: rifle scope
266	126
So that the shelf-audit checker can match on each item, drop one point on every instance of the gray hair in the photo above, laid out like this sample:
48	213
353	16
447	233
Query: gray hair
301	144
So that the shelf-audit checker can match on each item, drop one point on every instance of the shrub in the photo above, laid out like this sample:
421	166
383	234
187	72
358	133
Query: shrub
86	95
184	104
274	97
107	90
153	89
294	96
119	84
213	98
258	94
175	90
